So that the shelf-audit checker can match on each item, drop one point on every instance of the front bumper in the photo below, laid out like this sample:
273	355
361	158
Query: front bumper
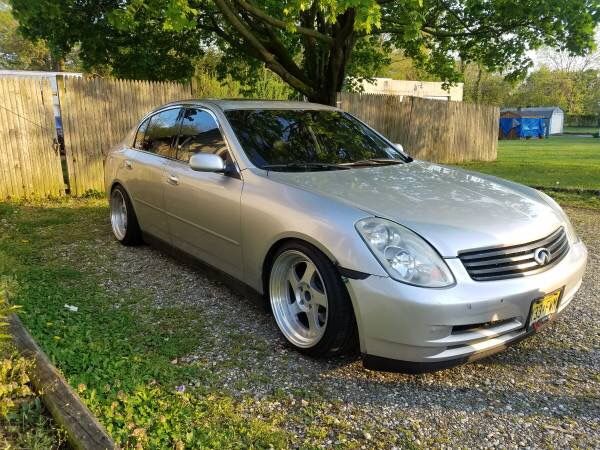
412	329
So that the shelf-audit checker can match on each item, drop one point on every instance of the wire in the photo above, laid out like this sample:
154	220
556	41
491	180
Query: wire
25	118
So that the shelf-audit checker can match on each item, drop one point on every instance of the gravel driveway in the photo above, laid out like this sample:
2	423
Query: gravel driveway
544	392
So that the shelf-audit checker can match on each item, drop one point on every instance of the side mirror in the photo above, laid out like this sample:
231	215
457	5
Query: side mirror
399	147
207	162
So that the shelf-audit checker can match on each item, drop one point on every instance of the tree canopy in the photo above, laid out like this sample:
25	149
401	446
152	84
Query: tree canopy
16	52
577	93
313	45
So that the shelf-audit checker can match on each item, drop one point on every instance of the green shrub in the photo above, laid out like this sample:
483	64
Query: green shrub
14	381
14	385
8	290
23	420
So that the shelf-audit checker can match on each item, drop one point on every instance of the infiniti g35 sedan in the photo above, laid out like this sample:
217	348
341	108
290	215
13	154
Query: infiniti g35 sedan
350	240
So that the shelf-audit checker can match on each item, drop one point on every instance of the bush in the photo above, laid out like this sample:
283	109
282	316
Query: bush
23	420
581	120
14	381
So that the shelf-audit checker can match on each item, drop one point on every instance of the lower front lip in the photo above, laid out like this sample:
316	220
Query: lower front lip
381	363
407	323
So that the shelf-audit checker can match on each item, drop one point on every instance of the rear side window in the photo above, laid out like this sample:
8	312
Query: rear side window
161	133
200	133
139	136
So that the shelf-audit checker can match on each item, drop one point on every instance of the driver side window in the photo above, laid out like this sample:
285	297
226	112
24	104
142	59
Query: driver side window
199	133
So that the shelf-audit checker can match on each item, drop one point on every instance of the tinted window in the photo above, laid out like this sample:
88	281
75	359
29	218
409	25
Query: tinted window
161	133
272	137
139	137
200	133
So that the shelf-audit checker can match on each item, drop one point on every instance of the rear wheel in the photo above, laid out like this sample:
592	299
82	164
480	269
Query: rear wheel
122	218
309	302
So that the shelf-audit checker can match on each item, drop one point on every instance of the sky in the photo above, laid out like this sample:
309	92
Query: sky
561	60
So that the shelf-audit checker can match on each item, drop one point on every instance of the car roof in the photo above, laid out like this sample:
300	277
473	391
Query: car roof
229	104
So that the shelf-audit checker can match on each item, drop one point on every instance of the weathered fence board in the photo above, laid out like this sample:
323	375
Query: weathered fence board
97	114
434	130
29	161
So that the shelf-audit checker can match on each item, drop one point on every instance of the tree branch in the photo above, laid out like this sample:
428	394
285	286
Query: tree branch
261	15
269	59
275	46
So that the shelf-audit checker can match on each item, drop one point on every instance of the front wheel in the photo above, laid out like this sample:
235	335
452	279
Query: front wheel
123	220
309	302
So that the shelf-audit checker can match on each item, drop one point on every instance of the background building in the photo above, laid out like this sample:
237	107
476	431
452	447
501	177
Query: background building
553	116
425	89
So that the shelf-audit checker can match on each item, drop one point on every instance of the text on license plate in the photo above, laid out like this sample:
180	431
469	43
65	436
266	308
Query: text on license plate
543	308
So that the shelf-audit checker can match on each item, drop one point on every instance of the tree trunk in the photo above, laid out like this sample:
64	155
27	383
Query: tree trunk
478	84
331	80
325	96
327	47
58	64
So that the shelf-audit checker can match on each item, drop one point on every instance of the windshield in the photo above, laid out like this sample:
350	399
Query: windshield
301	140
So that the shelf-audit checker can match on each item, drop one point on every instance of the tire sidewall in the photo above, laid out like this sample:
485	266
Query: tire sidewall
340	324
132	231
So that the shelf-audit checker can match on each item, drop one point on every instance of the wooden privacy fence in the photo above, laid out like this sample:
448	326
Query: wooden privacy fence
97	114
29	157
434	130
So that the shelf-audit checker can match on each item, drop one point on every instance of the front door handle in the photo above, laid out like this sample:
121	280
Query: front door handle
128	164
172	179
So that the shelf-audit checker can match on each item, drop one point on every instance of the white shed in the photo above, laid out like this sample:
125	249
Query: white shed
552	115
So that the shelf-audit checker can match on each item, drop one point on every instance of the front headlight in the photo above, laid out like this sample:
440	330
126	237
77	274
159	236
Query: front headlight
571	234
404	254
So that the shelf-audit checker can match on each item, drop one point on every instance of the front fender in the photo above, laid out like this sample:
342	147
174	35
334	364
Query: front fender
272	212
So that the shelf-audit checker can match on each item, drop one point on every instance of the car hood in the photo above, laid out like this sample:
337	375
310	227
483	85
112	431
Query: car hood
454	210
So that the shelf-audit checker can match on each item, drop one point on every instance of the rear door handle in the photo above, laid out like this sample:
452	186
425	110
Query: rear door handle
172	179
128	164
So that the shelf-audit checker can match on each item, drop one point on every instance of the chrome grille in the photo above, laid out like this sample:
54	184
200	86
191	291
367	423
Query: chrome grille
514	261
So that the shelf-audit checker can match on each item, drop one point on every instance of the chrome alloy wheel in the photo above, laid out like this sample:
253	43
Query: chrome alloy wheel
118	214
298	298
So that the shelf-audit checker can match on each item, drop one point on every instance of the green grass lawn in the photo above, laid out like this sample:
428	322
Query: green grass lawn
561	165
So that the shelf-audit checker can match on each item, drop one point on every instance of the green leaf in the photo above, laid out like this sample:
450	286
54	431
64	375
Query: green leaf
179	16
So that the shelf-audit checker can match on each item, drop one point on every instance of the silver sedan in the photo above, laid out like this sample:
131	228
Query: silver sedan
351	240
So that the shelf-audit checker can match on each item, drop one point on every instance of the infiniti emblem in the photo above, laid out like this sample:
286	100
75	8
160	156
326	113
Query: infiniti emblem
541	256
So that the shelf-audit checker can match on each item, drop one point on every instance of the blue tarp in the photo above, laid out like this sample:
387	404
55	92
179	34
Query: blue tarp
525	126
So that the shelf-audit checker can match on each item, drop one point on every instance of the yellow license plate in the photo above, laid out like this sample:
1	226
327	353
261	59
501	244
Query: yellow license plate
543	308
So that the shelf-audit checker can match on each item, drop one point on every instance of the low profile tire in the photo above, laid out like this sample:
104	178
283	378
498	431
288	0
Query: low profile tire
122	218
309	301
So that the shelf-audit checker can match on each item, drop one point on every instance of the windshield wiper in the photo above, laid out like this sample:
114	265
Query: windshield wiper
304	165
373	162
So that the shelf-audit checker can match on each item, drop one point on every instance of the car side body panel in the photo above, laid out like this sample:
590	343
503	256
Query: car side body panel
142	175
203	213
272	211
